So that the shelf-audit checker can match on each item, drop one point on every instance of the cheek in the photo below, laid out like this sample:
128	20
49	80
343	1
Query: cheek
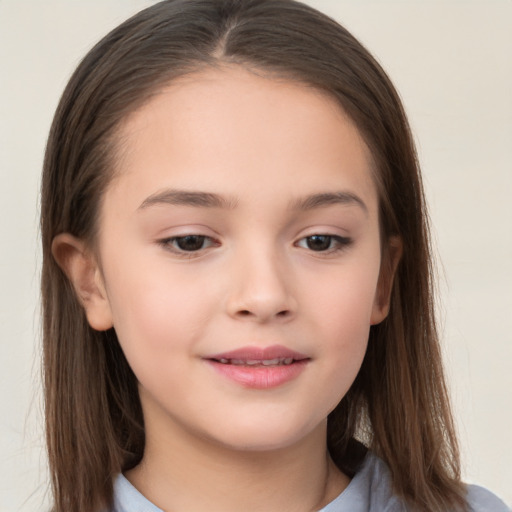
343	307
155	311
344	298
347	325
346	331
350	318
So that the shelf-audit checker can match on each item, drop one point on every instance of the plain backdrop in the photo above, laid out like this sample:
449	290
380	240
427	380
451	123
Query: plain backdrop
451	62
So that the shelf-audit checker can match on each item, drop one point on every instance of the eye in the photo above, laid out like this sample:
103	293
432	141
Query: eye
188	243
324	243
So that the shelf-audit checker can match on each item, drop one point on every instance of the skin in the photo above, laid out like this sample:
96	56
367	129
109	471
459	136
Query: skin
263	146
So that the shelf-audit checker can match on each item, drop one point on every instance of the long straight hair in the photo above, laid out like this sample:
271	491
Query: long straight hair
398	405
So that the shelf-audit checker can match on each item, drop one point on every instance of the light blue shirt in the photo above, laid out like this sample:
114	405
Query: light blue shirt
369	491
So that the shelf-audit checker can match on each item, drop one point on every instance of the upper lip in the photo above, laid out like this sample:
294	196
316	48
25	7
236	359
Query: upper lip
251	353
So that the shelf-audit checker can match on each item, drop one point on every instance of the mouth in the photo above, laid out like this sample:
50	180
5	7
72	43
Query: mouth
279	361
268	356
260	368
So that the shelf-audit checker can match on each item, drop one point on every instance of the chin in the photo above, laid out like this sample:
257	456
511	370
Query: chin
264	436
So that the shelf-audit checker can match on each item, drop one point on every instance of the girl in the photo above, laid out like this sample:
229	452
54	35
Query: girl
237	292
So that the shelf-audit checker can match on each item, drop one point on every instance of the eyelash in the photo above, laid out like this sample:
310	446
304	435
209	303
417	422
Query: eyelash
172	244
335	244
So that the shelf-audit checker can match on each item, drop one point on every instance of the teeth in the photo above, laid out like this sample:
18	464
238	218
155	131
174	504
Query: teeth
270	362
258	362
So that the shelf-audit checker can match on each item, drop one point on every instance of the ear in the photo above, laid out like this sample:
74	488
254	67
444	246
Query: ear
392	255
81	267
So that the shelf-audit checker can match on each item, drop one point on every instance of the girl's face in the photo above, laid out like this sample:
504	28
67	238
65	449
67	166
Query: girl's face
240	258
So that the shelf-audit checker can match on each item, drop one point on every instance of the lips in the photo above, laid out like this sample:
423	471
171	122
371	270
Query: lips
274	354
255	362
259	368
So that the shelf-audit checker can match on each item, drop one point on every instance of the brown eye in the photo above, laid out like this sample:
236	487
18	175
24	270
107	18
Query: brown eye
190	243
319	242
188	246
324	243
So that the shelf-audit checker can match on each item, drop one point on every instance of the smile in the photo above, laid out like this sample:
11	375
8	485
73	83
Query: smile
260	368
258	362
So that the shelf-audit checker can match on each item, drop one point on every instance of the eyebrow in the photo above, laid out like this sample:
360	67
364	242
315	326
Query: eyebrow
211	200
327	199
188	198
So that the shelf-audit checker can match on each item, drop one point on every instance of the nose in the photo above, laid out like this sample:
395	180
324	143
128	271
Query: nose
261	289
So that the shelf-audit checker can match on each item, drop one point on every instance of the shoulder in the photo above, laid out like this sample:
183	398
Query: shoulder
129	499
371	490
377	473
482	500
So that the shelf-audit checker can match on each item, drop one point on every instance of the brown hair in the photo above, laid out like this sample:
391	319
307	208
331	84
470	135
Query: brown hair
398	404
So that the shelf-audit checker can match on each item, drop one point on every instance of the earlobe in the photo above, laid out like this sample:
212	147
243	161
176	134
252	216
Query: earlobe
82	270
389	265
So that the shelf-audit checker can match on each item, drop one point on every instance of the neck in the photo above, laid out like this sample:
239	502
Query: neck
181	471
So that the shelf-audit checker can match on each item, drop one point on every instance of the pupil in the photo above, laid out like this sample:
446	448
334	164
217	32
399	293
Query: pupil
190	242
319	242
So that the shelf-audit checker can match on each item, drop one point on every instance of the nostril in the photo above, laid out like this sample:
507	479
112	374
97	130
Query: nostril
244	312
285	312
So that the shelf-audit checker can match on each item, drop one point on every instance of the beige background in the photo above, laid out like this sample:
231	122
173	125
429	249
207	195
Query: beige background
451	62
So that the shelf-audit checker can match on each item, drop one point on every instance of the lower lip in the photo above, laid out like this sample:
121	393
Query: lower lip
260	377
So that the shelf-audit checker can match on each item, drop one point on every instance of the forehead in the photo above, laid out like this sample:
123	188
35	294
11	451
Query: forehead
238	130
